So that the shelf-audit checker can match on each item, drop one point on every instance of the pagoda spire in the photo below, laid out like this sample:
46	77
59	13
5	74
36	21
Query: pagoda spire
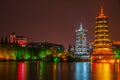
101	11
81	26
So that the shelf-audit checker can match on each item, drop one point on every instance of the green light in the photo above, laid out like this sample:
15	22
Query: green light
55	59
27	55
117	52
42	55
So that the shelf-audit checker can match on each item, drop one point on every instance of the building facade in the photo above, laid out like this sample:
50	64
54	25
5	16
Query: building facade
20	40
81	43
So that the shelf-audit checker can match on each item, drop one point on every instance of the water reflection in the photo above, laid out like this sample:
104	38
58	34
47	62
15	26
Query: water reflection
82	71
21	71
41	71
103	71
117	70
59	71
8	71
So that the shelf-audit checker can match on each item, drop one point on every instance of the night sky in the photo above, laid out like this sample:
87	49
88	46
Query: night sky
56	20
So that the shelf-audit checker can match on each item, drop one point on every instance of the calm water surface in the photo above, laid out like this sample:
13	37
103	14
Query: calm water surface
59	71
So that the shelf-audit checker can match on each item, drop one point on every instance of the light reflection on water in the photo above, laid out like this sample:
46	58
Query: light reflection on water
59	71
103	71
82	71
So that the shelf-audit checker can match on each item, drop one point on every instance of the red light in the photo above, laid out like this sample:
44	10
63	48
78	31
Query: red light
22	43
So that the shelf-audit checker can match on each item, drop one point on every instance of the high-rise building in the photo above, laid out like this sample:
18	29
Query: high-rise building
81	43
102	43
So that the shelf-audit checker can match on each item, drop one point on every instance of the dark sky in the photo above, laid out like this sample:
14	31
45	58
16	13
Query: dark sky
56	20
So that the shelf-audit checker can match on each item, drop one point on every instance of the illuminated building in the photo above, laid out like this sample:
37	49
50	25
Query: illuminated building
12	37
81	43
102	43
20	40
116	42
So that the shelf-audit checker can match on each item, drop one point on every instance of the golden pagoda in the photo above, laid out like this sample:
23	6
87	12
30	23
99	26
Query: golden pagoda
102	44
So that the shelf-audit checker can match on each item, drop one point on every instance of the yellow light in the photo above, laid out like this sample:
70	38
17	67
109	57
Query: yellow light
116	42
112	61
118	60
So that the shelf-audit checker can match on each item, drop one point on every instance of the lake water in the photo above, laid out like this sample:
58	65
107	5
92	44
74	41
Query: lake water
59	71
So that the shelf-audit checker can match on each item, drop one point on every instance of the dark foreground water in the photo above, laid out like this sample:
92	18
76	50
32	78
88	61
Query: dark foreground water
59	71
